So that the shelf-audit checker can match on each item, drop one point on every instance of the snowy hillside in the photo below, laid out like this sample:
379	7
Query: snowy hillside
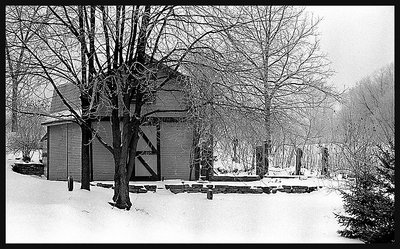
42	211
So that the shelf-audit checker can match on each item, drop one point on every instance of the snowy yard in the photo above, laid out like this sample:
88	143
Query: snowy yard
42	211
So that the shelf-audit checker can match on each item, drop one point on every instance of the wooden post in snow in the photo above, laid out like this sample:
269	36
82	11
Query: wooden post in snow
299	154
235	144
259	159
324	158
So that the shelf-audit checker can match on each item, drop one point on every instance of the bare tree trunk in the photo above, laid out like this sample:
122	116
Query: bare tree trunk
121	143
130	132
267	97
14	119
85	152
283	153
253	157
14	104
85	102
267	141
121	188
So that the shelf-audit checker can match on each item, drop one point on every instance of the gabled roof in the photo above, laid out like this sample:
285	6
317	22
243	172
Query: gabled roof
71	93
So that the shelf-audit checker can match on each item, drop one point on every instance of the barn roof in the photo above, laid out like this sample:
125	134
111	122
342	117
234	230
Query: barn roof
70	92
60	117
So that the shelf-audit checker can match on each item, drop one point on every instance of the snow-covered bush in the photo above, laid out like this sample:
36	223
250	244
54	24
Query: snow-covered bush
27	139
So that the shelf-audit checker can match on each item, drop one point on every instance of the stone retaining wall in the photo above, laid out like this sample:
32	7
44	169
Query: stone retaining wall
228	189
132	188
217	188
233	178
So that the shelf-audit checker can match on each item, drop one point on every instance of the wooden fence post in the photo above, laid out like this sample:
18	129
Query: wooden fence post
299	154
324	158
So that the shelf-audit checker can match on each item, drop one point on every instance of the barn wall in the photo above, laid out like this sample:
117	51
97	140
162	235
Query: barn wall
170	97
103	160
64	159
176	141
74	151
57	153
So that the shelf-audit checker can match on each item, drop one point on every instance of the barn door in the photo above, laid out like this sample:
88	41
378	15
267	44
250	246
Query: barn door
147	161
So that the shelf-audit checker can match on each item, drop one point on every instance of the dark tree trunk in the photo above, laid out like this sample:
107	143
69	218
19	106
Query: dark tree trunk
267	141
235	144
259	160
299	154
116	133
120	144
85	143
85	102
266	146
324	158
121	195
14	104
124	167
125	144
85	159
121	188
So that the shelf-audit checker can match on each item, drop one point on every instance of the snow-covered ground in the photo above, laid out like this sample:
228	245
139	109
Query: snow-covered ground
42	211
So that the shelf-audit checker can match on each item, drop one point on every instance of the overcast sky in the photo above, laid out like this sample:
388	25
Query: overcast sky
358	40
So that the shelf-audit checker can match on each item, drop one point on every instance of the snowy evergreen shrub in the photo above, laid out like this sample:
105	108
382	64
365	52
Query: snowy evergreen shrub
369	203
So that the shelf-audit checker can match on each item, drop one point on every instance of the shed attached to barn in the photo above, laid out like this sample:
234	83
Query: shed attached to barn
165	142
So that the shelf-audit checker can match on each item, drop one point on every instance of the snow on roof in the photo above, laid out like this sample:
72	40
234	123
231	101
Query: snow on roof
60	117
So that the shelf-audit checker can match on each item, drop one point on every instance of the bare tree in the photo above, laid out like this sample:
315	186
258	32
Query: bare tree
271	63
54	57
21	81
120	69
366	119
159	36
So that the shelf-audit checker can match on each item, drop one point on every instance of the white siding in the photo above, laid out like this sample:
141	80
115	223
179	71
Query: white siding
176	142
103	160
64	159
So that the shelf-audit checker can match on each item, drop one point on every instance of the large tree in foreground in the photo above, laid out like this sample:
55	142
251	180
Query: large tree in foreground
114	56
53	55
147	40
